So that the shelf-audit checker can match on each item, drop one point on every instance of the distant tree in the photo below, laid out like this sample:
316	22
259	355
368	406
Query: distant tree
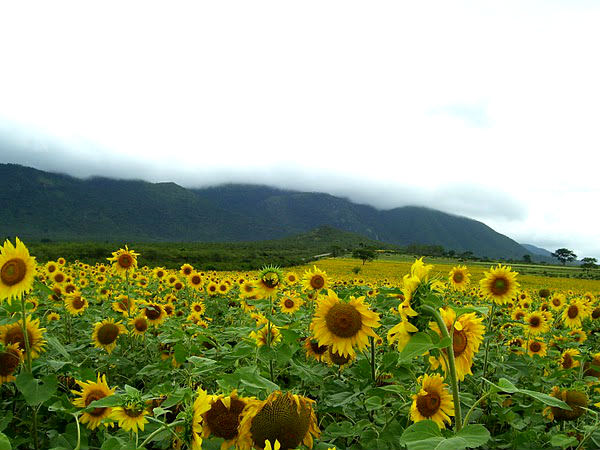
336	251
589	262
564	255
364	254
527	258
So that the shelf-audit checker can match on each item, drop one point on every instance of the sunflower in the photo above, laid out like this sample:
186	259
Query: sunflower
289	305
13	334
223	288
344	326
334	358
459	278
17	269
576	400
106	333
314	350
186	270
287	418
223	418
536	348
573	314
247	290
212	288
518	314
51	267
516	346
291	278
401	333
75	303
467	335
201	405
578	335
433	401
139	325
592	368
269	281
196	281
124	261
566	359
92	391
536	323
315	280
125	305
261	336
198	308
154	313
10	358
131	417
499	284
159	272
53	317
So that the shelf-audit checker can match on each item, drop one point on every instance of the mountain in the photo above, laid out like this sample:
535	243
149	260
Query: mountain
37	205
537	250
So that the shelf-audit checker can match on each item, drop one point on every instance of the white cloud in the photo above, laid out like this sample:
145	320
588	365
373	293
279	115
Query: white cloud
486	109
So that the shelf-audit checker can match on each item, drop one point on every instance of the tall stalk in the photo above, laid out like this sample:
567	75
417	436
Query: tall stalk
487	344
451	366
28	367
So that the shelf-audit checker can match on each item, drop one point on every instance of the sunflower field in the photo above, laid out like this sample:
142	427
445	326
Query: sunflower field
400	356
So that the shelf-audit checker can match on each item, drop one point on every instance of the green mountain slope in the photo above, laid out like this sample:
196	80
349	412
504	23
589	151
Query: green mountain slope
36	204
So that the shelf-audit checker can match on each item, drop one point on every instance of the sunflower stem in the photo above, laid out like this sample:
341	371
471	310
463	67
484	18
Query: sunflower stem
269	338
166	426
25	334
372	341
78	433
487	344
451	366
468	416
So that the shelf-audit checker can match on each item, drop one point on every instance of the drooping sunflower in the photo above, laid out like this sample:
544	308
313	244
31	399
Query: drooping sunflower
106	333
467	335
576	400
223	418
536	323
130	417
13	334
536	348
261	337
344	326
433	401
139	325
154	313
499	284
573	314
124	261
401	333
315	280
75	303
334	358
10	358
17	269
459	278
92	391
289	304
287	418
566	359
314	350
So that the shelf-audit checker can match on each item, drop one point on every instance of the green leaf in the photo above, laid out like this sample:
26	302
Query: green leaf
4	442
373	403
474	435
484	310
546	399
42	287
34	390
180	352
105	402
419	343
563	441
506	386
453	443
423	435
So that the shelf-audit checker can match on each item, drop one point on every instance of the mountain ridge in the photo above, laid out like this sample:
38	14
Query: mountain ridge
40	204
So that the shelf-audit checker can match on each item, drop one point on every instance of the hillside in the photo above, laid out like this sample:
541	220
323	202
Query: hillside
41	205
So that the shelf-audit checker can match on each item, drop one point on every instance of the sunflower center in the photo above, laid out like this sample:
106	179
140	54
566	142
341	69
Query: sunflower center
317	281
283	420
316	348
459	342
338	359
596	313
13	271
556	302
270	279
500	286
224	422
125	260
196	280
343	320
78	302
152	313
519	315
51	268
535	347
8	363
572	312
15	336
289	303
70	288
59	277
133	412
458	277
567	361
428	404
107	333
92	397
535	322
187	271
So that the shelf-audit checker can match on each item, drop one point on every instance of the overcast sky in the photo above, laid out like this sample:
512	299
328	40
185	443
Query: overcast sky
484	109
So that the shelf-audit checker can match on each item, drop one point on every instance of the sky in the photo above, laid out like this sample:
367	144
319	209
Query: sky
483	109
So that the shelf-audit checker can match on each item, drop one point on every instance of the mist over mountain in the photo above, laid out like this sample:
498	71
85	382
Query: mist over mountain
42	205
